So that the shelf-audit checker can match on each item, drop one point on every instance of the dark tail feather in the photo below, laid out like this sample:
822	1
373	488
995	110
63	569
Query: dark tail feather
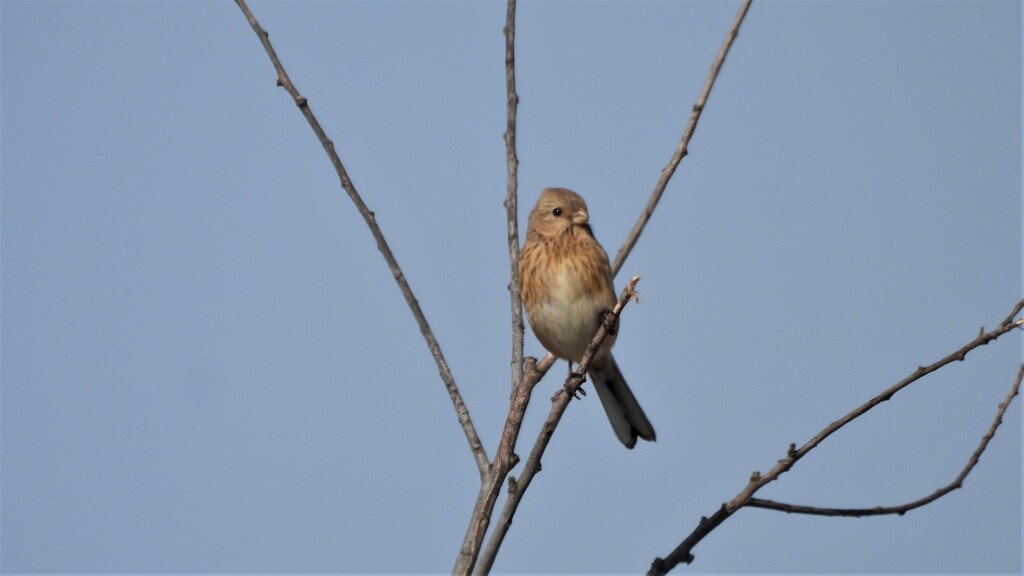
624	412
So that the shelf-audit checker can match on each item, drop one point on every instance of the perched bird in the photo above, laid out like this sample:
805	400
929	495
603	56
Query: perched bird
566	285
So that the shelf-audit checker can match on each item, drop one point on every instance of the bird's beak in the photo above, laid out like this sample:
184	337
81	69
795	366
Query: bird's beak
580	217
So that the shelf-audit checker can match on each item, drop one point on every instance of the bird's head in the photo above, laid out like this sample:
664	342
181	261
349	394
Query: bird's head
559	211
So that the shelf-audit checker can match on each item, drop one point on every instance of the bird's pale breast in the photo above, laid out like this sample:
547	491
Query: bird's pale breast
575	291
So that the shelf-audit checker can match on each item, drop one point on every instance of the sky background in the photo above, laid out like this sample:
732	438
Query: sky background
207	366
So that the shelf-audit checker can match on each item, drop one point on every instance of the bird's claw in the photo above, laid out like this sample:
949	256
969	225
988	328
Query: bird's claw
579	391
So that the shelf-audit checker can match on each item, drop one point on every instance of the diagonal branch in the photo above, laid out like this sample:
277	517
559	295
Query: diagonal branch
904	508
516	488
435	349
511	207
683	552
682	148
983	338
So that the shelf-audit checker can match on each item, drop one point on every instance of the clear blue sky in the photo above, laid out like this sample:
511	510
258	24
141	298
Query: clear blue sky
207	367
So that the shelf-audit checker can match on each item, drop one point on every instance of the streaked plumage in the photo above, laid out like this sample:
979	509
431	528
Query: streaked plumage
566	284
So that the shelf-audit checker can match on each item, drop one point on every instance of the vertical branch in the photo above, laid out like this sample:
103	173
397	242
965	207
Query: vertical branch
682	148
285	82
511	207
522	387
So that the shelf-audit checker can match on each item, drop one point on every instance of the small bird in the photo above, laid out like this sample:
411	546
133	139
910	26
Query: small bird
566	285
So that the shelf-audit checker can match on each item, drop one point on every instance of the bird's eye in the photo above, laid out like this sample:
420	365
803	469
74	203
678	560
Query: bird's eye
557	211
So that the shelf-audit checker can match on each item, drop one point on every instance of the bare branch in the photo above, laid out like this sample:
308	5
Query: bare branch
522	387
681	149
683	552
981	339
560	402
511	206
904	508
504	460
435	349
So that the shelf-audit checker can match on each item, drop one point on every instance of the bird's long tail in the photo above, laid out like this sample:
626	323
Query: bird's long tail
624	412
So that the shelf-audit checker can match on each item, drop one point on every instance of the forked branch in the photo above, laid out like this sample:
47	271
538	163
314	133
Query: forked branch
902	509
683	553
559	403
505	458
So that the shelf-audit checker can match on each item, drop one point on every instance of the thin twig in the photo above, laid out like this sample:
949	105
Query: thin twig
479	454
517	487
904	508
511	203
683	552
682	148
